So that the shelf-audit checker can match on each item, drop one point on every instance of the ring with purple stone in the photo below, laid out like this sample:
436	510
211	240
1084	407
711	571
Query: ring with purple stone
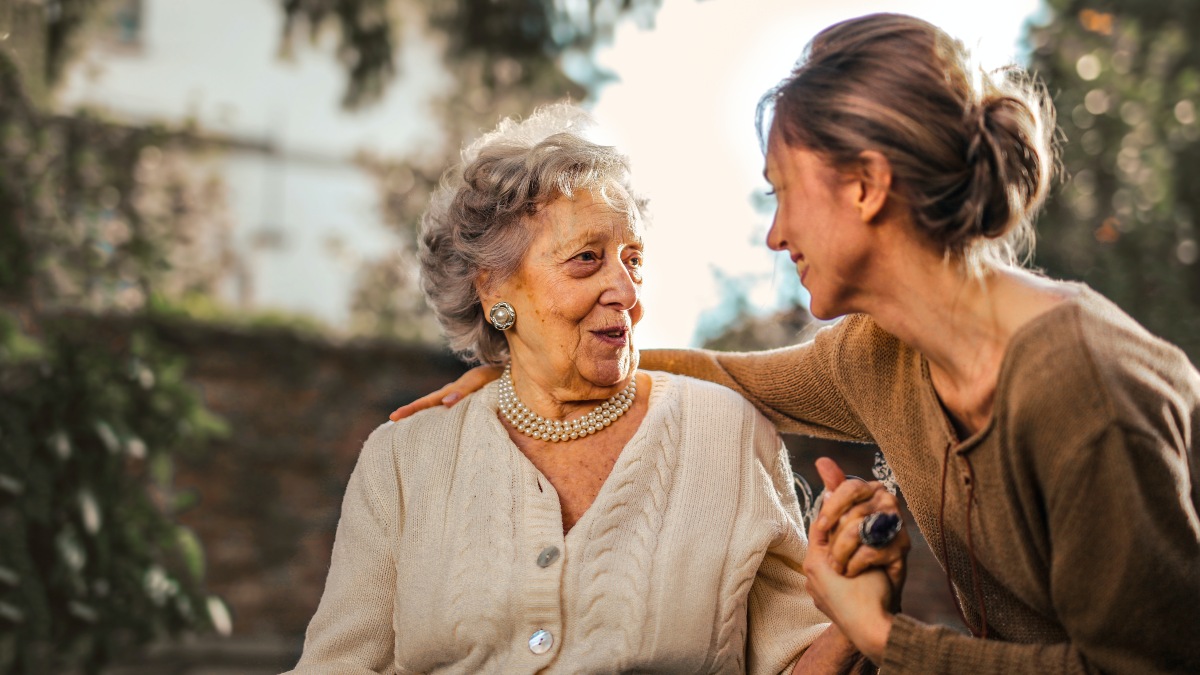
879	529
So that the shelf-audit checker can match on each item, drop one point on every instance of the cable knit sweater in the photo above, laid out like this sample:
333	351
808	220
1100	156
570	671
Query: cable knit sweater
1083	489
450	554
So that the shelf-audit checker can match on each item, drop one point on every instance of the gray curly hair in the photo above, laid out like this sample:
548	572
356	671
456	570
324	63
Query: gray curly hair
479	217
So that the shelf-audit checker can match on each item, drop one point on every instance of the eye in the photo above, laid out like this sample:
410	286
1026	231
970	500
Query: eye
587	256
635	261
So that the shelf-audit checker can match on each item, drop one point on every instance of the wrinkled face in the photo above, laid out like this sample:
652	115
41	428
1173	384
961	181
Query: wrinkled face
576	297
818	224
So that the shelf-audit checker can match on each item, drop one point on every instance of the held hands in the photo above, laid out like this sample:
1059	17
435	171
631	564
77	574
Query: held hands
857	586
845	504
471	381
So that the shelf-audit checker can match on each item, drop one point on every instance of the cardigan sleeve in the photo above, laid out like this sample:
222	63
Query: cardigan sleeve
796	387
782	618
352	630
1124	577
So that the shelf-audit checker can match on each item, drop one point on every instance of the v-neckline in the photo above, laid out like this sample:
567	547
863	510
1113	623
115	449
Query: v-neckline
1014	345
658	383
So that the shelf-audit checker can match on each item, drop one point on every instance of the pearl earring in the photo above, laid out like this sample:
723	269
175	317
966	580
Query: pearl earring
503	315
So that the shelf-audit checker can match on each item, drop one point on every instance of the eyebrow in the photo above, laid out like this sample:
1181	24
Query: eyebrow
583	239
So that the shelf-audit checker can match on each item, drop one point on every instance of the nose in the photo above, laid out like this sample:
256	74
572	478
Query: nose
621	289
775	240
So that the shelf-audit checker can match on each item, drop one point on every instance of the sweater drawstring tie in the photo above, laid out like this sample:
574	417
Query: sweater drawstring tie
976	585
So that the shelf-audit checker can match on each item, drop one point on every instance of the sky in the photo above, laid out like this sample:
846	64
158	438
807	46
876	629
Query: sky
682	106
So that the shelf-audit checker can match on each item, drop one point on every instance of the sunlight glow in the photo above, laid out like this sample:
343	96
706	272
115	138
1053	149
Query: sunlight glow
683	109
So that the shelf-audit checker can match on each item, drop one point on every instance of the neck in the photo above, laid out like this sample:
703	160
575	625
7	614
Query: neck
529	423
564	398
951	318
961	323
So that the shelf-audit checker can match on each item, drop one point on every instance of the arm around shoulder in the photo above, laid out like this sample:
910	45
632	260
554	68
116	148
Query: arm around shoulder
795	387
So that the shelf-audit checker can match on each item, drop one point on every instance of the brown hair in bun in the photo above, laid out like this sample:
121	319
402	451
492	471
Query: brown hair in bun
972	153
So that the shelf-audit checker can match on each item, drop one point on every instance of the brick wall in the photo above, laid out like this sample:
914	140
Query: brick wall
268	496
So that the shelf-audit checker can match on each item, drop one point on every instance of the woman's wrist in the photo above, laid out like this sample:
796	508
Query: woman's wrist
871	636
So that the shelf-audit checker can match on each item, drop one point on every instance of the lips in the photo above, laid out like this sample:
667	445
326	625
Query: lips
614	335
801	266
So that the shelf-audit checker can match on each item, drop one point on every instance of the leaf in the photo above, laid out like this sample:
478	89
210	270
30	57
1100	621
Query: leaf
192	551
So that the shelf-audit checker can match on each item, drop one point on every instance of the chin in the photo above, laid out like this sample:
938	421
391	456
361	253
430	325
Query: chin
612	370
823	311
821	314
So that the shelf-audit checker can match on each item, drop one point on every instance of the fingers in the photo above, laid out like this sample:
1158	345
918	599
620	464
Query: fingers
844	541
833	477
850	556
891	557
835	504
831	474
471	381
425	402
816	572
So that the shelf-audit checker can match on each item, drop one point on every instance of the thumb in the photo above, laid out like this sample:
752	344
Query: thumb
831	474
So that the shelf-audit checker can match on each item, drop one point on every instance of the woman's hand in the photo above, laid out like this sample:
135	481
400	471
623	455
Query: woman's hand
845	504
860	603
471	381
858	606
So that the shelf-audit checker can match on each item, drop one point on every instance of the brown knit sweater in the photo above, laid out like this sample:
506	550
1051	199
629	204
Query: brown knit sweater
1083	487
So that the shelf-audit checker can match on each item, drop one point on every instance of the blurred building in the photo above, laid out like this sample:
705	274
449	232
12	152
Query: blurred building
304	215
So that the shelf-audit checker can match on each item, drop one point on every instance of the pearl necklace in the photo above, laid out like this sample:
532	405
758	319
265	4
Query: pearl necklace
535	426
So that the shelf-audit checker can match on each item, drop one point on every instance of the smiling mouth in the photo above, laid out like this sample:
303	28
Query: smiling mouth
616	334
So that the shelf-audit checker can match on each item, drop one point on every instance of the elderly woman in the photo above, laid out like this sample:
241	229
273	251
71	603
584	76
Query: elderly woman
572	516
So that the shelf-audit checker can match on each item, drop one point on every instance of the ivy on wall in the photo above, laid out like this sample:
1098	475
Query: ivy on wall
91	558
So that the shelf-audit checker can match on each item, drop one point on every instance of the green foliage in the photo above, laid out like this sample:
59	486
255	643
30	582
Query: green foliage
64	189
521	40
1125	76
91	560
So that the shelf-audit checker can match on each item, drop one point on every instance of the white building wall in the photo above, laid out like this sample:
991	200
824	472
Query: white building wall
304	216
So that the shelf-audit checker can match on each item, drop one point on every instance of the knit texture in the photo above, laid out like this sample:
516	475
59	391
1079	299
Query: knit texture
688	561
1084	484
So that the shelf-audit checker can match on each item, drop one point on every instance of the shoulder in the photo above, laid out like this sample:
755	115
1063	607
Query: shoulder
866	354
874	370
1086	365
715	416
1128	360
438	431
693	396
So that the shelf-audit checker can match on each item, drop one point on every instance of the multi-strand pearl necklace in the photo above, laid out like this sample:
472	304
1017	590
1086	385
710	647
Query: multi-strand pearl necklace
531	424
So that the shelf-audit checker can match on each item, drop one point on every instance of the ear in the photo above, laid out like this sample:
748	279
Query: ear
874	184
483	288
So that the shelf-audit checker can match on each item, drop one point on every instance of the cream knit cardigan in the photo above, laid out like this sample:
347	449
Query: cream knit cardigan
687	562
